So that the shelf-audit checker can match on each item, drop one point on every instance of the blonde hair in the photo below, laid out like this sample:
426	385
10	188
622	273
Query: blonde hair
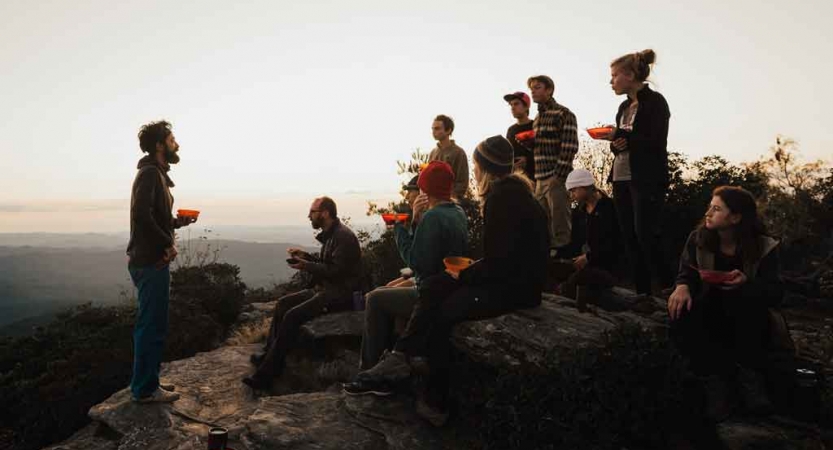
638	63
487	179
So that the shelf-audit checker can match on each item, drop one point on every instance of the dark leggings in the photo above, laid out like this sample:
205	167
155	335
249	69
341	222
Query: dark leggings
639	208
721	331
444	302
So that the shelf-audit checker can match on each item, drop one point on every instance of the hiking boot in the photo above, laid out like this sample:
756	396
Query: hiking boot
258	382
392	366
167	387
357	388
753	392
434	416
256	359
158	396
718	406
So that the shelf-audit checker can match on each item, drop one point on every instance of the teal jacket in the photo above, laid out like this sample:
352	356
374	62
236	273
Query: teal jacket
442	231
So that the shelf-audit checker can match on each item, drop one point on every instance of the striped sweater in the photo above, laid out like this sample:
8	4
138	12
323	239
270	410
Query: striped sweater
556	140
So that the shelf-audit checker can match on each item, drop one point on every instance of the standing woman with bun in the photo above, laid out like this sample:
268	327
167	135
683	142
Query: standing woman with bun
640	167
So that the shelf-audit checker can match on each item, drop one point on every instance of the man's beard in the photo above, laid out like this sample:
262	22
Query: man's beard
171	156
316	224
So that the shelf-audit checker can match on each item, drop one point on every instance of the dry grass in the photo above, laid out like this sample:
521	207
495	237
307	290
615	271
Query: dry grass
250	333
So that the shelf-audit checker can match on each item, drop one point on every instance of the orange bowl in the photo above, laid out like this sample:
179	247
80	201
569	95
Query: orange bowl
525	135
714	276
599	132
391	218
457	263
188	213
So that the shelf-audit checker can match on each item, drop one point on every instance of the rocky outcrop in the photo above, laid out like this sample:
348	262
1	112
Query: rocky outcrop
308	411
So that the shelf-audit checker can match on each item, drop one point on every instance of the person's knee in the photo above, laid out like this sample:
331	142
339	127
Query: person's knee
372	300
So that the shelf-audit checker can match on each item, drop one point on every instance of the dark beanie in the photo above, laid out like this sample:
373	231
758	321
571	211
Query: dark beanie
495	155
437	180
412	185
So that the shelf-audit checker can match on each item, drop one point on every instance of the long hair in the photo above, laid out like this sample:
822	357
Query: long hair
488	179
747	232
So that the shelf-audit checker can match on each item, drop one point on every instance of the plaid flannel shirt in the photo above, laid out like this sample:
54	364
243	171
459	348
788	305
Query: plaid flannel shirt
556	140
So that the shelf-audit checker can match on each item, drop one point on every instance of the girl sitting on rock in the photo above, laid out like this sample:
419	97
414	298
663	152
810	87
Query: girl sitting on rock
720	320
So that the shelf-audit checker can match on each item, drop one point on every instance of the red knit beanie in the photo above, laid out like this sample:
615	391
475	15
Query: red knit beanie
437	180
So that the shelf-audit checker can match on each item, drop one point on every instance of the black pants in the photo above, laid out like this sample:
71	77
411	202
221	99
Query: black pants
444	302
590	276
290	313
723	330
639	210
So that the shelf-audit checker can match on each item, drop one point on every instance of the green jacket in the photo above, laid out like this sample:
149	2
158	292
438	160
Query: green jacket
442	231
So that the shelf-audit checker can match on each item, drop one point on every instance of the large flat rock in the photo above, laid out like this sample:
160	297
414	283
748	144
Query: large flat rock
212	394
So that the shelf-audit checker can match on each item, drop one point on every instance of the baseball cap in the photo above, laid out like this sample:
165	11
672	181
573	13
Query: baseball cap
517	95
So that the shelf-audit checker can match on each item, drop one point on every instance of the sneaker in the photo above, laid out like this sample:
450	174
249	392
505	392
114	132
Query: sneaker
434	416
392	366
158	396
357	388
753	392
167	387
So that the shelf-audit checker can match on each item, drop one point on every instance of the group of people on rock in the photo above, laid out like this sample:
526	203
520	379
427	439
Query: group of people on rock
525	189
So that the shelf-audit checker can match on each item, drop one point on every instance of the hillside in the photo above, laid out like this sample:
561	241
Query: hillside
36	282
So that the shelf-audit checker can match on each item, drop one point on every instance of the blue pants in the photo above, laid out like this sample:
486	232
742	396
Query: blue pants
154	287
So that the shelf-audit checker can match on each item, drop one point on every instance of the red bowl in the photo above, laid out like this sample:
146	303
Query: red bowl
457	263
188	213
599	132
525	135
714	276
391	218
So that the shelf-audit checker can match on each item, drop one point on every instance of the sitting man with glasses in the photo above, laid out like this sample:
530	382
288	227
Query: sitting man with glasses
336	275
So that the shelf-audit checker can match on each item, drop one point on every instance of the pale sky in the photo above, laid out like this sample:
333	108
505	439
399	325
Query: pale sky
274	102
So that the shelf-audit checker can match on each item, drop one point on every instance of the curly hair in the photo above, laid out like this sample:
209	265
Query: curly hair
447	122
153	133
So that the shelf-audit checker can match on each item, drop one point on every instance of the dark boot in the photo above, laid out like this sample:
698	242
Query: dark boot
583	297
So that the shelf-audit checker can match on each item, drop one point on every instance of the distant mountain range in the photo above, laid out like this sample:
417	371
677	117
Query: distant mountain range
38	281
